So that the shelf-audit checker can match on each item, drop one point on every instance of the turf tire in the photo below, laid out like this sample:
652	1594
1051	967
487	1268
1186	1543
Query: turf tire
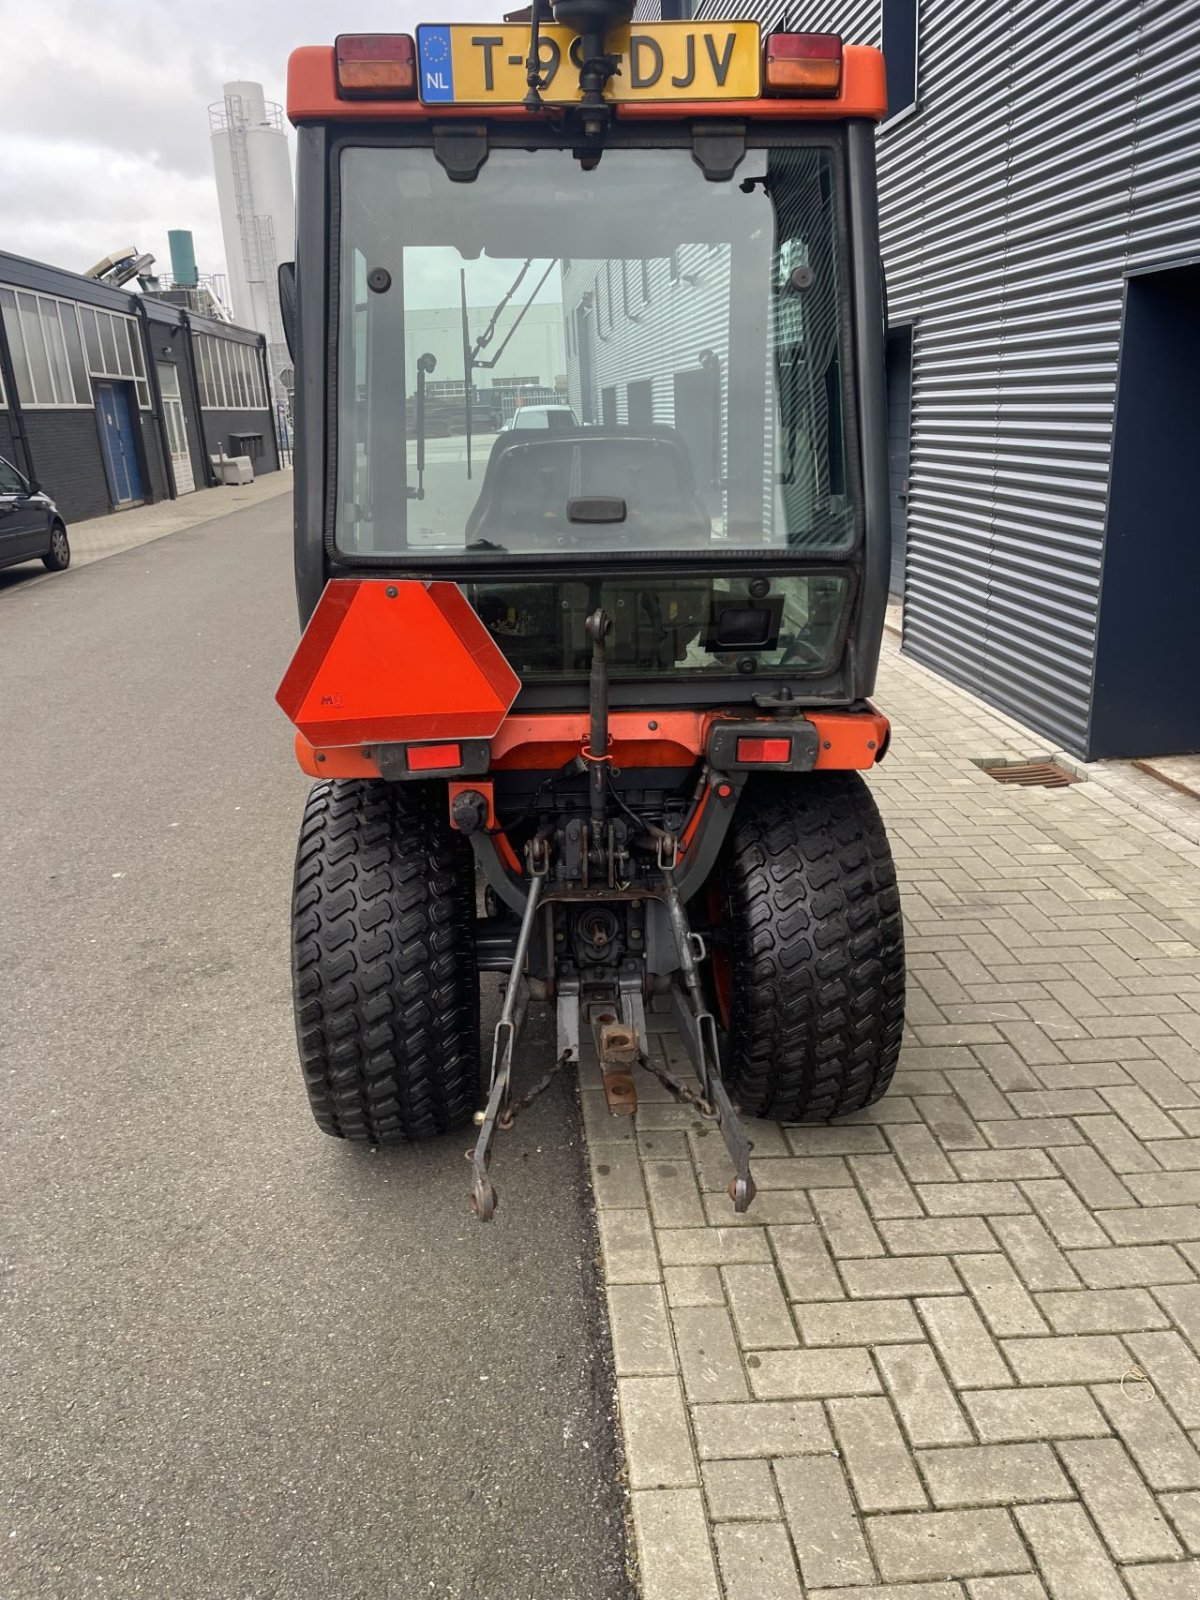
815	949
384	977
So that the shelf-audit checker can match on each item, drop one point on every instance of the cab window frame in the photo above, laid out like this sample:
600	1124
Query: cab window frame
765	136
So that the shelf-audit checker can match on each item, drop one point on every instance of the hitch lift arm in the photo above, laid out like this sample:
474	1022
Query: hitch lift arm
614	1005
512	1020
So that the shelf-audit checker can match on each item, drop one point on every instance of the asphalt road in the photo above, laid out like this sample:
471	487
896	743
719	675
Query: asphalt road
239	1359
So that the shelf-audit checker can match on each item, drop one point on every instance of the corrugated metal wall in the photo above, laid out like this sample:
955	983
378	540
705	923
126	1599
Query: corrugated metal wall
1055	146
645	329
647	326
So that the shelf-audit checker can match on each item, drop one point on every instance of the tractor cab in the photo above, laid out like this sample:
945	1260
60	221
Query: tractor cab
592	549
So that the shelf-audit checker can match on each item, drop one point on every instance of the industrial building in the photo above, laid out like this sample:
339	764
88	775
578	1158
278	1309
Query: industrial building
258	213
1040	196
112	399
523	359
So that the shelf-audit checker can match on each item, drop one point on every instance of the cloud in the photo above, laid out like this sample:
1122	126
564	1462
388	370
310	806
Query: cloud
104	137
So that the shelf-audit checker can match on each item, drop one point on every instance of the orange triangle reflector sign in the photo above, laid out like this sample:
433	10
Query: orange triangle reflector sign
390	661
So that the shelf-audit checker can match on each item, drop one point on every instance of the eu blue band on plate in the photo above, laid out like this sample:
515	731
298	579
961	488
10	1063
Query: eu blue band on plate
436	64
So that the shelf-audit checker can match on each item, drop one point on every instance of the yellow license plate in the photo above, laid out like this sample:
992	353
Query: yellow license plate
463	63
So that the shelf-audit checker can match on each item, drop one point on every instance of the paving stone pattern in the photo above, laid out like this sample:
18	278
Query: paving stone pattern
953	1351
128	530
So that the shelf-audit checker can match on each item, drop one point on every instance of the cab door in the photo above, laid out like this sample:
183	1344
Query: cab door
23	521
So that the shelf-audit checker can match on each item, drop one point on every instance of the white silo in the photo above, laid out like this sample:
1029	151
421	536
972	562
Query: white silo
258	211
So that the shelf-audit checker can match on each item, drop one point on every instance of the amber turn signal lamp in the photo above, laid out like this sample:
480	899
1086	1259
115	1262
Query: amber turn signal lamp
376	66
803	65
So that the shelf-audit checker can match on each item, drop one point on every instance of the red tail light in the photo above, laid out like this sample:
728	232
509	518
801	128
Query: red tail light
803	65
765	750
376	66
434	757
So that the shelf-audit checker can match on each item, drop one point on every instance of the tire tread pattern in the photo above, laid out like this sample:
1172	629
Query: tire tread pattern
816	949
384	977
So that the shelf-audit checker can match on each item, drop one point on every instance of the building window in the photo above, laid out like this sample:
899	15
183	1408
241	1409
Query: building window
203	371
225	375
46	349
230	375
901	21
113	349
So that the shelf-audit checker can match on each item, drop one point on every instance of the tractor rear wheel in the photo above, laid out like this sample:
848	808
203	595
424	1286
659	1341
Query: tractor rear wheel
383	963
808	968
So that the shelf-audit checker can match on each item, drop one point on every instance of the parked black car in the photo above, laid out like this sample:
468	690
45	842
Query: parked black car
31	527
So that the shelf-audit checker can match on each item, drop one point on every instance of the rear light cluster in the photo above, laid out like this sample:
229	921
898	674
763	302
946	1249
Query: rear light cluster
803	65
383	66
376	66
766	751
742	746
434	757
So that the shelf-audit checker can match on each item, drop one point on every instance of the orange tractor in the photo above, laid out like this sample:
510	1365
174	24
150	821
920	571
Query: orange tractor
591	547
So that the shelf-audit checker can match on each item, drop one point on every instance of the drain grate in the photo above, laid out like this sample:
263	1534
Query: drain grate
1031	774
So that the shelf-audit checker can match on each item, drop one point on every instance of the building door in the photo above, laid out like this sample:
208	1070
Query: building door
181	456
640	399
697	421
899	404
1144	697
587	365
119	444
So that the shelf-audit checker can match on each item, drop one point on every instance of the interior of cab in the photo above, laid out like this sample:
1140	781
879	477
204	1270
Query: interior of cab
532	481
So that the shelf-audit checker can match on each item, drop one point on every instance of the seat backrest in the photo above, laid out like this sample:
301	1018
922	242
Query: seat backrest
531	476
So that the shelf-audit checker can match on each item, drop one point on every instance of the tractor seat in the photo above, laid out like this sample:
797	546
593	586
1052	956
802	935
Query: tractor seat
522	505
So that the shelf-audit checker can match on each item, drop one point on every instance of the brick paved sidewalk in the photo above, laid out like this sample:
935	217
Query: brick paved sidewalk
129	530
952	1350
99	537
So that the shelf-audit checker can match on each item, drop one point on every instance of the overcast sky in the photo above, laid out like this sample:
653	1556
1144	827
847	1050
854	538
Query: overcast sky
104	110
